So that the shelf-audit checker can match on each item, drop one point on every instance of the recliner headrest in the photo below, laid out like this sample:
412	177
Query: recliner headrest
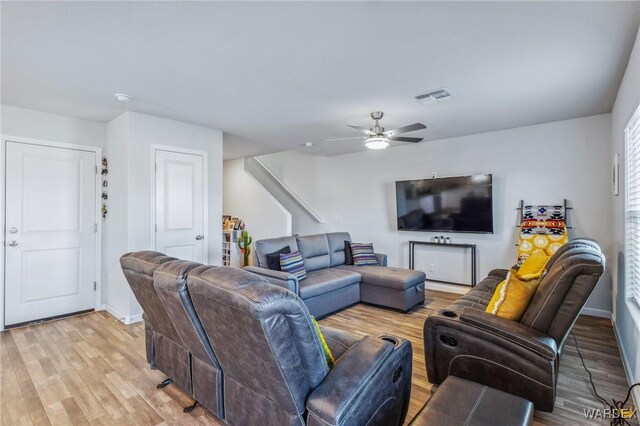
244	290
144	262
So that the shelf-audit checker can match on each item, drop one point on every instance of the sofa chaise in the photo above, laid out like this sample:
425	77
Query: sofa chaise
332	285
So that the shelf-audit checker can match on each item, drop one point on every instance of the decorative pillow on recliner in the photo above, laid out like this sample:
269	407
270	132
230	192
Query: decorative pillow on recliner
325	348
363	254
273	259
293	264
512	296
535	263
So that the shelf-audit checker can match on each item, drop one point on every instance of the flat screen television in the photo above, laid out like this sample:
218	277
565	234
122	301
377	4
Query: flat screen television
452	204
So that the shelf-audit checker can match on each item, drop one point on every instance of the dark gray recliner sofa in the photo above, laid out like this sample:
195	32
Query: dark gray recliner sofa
206	372
165	349
254	354
274	370
330	284
521	358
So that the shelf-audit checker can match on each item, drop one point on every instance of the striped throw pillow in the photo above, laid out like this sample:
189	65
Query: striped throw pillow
292	263
363	254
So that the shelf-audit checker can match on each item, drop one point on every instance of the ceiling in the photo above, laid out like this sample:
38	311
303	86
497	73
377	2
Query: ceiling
274	75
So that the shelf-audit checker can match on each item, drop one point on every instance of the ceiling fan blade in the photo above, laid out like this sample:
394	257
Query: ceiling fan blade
344	139
405	129
363	130
405	139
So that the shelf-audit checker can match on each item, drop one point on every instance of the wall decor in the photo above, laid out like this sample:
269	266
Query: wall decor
105	185
616	175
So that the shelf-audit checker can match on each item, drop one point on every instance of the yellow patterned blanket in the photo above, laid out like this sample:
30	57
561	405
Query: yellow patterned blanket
542	227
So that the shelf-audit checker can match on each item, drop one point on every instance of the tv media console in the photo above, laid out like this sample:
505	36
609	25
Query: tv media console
413	244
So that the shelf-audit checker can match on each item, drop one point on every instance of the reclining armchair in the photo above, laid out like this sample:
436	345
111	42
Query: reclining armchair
520	358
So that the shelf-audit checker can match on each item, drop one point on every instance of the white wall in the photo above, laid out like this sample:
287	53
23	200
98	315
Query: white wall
540	164
129	140
126	141
32	124
247	199
115	290
147	130
626	315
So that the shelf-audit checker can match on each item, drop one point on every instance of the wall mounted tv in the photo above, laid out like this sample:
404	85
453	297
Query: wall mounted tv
452	204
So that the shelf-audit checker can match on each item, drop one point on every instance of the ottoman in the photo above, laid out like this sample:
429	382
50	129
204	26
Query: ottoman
396	288
462	402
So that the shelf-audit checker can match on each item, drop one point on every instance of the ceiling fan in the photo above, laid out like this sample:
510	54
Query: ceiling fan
378	138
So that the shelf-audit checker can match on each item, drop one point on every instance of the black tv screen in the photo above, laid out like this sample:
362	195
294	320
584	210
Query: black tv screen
453	204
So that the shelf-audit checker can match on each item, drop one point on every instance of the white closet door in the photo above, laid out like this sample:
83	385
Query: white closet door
180	206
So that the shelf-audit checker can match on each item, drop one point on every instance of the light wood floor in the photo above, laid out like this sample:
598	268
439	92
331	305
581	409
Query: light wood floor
91	369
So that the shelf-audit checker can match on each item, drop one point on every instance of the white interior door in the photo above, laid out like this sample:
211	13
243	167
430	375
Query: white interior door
50	249
180	205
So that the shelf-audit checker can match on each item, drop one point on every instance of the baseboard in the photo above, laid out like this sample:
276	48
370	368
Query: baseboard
596	312
125	319
114	312
449	288
635	393
134	318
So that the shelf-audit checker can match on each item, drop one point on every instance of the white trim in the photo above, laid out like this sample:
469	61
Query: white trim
134	318
602	313
278	204
635	393
449	288
152	192
119	316
2	224
98	217
288	191
114	312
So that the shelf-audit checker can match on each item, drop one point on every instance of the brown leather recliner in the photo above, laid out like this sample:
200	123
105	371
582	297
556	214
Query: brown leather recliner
520	358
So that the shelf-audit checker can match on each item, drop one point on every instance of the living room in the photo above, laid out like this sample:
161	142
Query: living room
317	212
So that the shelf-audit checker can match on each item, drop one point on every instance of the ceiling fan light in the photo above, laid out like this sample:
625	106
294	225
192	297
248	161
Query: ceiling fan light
376	142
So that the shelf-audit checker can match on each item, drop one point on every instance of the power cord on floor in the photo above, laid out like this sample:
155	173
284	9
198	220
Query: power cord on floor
618	406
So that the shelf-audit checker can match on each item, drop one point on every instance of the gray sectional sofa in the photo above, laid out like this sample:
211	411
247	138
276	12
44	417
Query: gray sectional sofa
332	285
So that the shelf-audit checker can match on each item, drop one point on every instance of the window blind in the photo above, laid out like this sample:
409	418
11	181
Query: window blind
632	216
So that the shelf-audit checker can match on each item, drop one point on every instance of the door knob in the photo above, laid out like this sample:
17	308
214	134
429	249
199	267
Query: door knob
13	230
199	237
13	243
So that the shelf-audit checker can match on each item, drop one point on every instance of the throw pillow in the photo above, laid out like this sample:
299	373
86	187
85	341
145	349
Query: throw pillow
363	254
273	259
512	296
293	264
348	256
325	348
534	263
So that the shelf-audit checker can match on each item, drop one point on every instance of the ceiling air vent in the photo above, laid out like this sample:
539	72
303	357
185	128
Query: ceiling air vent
439	95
